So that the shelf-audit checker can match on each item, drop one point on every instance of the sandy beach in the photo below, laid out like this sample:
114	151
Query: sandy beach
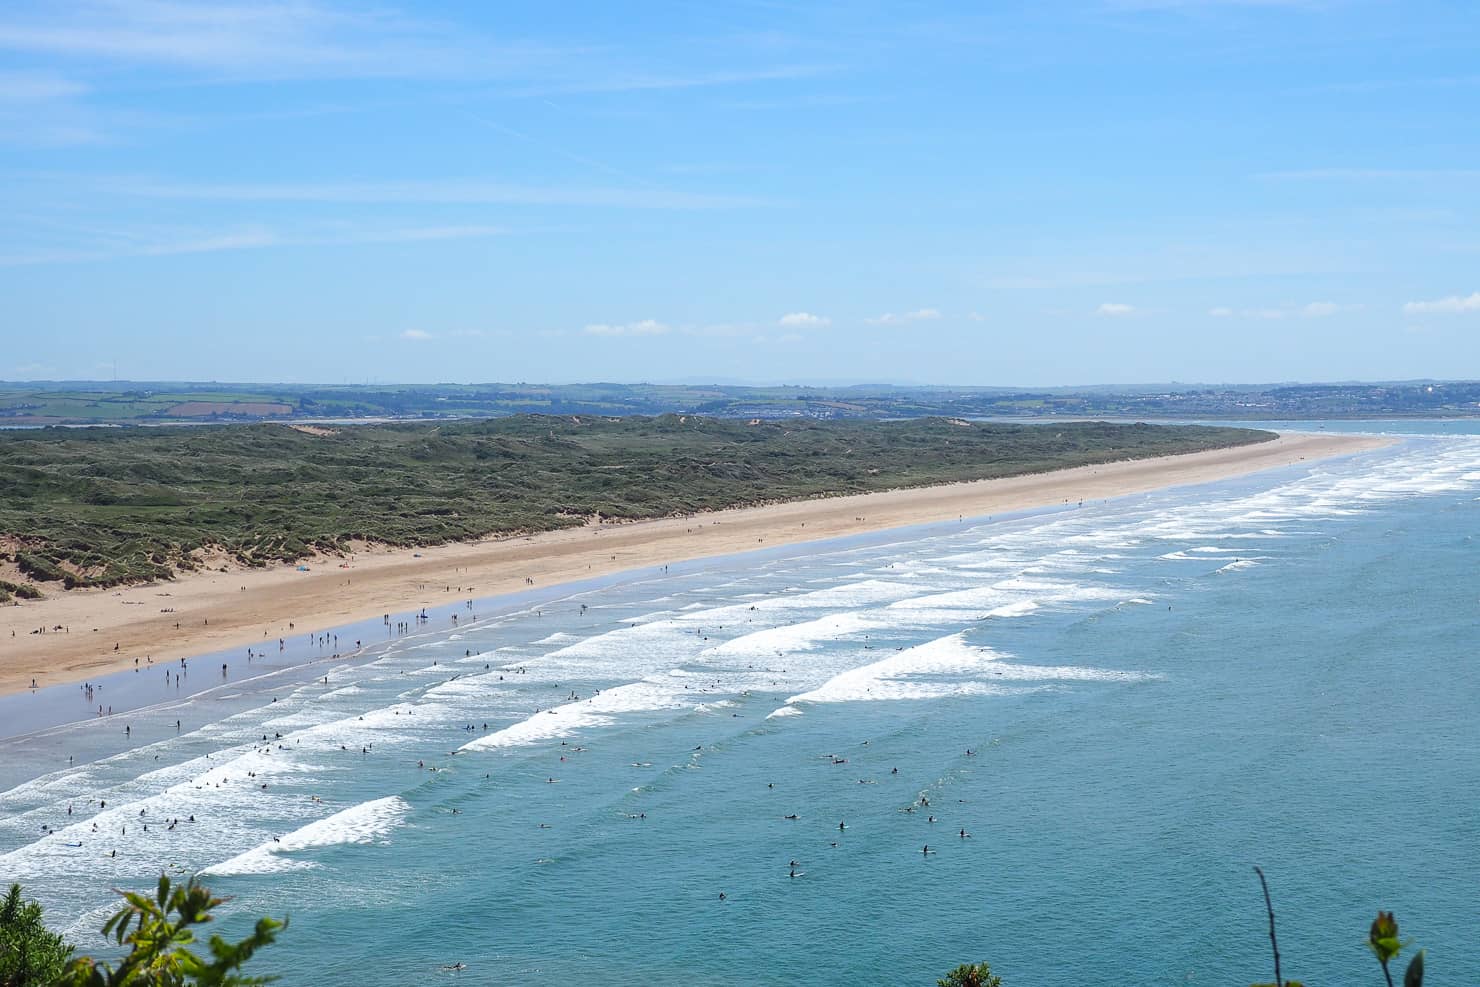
205	612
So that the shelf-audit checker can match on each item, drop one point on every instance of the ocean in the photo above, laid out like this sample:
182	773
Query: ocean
729	772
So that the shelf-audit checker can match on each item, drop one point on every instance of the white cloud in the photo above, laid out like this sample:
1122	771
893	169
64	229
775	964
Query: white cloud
1453	305
1115	309
899	318
803	320
646	327
416	334
1310	310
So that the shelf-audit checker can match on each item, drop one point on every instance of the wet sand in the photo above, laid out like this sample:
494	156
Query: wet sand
216	611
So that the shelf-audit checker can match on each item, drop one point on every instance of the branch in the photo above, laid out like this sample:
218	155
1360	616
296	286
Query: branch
1273	943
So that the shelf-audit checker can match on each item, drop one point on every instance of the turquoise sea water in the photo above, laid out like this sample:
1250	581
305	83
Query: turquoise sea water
1156	693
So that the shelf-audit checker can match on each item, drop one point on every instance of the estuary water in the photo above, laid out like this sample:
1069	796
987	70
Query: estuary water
729	772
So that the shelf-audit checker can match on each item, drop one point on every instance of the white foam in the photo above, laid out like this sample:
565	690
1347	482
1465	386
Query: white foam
368	822
804	636
649	695
947	666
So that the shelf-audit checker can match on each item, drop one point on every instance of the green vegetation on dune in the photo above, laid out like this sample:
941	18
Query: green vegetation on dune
110	506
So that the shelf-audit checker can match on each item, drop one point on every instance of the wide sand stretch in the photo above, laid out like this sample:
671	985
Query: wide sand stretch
204	612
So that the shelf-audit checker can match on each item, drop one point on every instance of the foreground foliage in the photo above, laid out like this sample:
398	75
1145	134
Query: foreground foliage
970	975
102	507
31	955
1382	940
159	932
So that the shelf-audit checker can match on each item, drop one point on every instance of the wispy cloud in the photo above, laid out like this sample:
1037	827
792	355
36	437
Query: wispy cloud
322	39
645	327
900	318
1370	174
803	320
1115	309
1310	310
432	192
43	109
36	87
1380	85
261	40
1207	4
1453	305
637	82
120	244
417	334
35	371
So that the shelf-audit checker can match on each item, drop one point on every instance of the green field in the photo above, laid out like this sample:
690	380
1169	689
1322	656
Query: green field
111	506
113	403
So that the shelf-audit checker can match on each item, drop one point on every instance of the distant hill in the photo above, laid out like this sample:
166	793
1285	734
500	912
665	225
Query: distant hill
121	403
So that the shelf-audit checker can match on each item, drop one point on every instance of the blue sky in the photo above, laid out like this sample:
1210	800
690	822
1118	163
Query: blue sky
1045	193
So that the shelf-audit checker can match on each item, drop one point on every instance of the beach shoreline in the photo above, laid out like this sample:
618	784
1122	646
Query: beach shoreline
104	631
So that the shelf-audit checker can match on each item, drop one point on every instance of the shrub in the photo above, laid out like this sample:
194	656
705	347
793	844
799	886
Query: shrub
30	954
158	944
970	975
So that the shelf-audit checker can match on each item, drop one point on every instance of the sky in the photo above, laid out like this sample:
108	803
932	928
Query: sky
1055	192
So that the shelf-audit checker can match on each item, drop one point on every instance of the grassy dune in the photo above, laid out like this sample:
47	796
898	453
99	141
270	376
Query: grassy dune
109	506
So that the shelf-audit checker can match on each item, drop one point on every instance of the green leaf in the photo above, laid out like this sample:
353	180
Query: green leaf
1414	976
